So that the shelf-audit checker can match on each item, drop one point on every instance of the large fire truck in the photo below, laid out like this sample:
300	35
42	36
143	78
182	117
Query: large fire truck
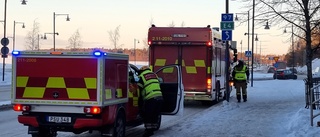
201	54
83	91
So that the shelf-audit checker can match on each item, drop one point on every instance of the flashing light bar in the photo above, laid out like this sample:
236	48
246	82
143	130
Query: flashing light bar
15	53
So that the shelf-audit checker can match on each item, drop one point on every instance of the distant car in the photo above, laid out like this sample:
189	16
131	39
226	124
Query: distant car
271	70
284	74
294	70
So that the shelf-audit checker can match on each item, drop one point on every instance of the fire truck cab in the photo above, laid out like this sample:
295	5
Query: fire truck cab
83	91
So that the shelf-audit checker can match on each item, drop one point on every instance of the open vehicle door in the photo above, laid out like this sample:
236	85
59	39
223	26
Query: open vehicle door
172	89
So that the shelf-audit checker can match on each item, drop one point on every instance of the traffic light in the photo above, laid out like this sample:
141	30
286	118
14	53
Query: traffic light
4	49
235	55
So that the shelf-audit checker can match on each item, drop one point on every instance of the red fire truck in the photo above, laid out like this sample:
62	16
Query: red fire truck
201	54
83	91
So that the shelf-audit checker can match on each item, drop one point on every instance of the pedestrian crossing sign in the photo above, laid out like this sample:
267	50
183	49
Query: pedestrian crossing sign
248	53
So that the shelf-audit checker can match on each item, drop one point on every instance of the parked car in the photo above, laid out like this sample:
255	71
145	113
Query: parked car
284	74
294	70
271	69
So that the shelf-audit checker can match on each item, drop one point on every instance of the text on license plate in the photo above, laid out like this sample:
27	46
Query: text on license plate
56	119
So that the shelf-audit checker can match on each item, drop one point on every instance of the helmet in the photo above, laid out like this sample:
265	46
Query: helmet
144	67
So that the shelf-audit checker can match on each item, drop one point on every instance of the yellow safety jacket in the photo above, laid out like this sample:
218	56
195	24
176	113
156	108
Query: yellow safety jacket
241	74
149	84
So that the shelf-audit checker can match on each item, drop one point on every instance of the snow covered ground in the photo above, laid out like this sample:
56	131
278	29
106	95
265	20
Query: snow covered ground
275	108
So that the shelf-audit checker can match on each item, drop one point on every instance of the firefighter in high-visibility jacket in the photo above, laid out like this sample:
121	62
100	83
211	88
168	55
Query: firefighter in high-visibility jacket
151	100
240	76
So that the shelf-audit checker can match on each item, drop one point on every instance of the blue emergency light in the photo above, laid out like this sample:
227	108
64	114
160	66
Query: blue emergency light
15	53
97	53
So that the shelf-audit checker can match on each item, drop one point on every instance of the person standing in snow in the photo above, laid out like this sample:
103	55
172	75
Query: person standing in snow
152	99
240	76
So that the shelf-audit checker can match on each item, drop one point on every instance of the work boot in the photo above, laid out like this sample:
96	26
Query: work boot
239	100
147	133
244	100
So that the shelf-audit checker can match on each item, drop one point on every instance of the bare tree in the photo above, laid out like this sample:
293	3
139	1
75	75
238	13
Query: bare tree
114	36
183	24
31	40
151	22
75	41
172	24
302	15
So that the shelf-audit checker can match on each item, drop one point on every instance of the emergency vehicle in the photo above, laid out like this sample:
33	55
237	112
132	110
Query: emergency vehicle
201	54
83	91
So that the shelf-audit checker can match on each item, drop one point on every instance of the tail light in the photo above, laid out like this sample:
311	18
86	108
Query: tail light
92	110
209	85
231	83
19	107
209	43
149	42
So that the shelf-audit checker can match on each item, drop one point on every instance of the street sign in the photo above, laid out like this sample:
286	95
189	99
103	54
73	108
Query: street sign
248	53
276	59
226	35
227	17
4	41
227	25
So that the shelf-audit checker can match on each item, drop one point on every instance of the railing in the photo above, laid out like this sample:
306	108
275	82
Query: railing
313	98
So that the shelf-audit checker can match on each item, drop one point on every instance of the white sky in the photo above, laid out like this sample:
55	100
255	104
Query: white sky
275	108
94	18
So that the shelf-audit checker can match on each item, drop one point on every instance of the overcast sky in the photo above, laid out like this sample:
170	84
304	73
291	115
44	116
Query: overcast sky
94	18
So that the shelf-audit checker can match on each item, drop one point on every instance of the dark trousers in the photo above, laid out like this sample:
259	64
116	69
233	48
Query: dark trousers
152	110
241	86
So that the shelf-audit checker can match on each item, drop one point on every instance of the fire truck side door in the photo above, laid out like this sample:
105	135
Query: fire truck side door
172	89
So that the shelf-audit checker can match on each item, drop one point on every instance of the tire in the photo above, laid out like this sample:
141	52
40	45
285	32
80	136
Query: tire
159	122
119	128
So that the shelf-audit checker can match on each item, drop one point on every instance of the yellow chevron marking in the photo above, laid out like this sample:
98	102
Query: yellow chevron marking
199	63
191	69
168	70
160	62
91	83
56	82
119	93
108	94
78	93
22	81
33	92
183	63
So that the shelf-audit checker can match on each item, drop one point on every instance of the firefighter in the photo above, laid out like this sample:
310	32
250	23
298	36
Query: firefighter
240	76
151	97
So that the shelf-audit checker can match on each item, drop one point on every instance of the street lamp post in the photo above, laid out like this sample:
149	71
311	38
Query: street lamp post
134	43
292	43
14	32
45	36
236	18
54	27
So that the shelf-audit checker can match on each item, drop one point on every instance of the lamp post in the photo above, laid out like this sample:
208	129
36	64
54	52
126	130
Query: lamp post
134	43
54	27
236	19
39	37
14	32
45	35
292	43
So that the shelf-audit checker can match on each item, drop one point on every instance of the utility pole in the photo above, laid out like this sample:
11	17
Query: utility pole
227	60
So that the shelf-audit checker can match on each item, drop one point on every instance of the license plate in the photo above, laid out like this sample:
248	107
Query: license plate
56	119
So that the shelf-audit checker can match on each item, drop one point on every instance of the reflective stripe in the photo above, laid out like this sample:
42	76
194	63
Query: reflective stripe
56	82
108	94
189	68
22	81
119	93
241	74
91	82
78	93
33	92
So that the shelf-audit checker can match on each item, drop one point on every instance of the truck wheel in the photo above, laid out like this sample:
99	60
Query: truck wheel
159	122
119	128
